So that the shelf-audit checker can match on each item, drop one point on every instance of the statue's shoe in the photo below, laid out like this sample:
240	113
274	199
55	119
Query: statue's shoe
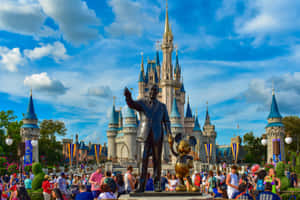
139	190
195	189
180	188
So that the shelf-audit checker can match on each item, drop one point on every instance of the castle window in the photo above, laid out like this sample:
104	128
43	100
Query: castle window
151	78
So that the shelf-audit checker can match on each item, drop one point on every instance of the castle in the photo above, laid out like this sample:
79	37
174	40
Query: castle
123	143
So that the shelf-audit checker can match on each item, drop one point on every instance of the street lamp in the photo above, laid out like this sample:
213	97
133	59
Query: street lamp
34	143
9	141
288	139
264	142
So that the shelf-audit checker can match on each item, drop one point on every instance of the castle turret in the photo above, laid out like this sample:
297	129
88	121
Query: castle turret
130	131
112	132
188	119
30	130
177	70
275	132
142	80
157	65
175	118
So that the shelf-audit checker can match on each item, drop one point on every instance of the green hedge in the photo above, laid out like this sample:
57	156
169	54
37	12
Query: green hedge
286	196
36	194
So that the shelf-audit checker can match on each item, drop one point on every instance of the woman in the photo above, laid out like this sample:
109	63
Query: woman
120	185
22	194
271	178
149	184
173	182
56	194
211	183
106	192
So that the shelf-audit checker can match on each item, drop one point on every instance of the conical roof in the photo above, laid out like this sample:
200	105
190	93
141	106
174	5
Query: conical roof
114	117
196	125
30	110
175	112
130	113
274	112
188	113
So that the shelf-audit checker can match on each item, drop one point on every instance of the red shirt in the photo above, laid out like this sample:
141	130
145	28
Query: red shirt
46	187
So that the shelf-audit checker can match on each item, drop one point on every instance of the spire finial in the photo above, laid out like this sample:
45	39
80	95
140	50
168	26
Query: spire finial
188	99
114	100
206	105
142	65
157	45
30	91
167	27
273	89
176	47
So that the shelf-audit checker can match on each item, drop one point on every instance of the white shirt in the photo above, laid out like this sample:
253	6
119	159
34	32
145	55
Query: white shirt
233	181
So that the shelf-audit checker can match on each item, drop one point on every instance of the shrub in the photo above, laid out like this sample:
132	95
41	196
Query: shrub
28	168
37	168
287	196
36	194
280	169
284	183
38	176
12	168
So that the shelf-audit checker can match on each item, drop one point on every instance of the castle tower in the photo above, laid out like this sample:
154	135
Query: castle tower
112	132
209	135
157	65
130	131
188	119
275	132
197	133
167	68
141	81
177	70
120	118
30	130
176	126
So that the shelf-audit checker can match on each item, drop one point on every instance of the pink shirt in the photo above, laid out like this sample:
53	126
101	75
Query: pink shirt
95	177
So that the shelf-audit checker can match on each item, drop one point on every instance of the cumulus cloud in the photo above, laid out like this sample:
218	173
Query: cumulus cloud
57	51
10	59
41	82
102	91
24	17
130	19
76	21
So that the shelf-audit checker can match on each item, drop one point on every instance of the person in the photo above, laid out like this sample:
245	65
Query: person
232	182
120	185
242	193
154	115
267	194
173	183
56	194
149	185
83	194
211	183
95	180
46	188
164	182
106	192
62	183
259	182
22	193
271	178
220	180
109	181
28	183
197	179
293	180
129	180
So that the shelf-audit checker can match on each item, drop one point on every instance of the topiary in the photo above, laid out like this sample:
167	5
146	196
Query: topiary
38	176
280	169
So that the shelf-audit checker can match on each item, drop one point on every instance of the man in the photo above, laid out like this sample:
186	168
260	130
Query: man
84	195
62	183
46	188
28	183
153	114
267	194
164	182
95	181
232	182
242	193
109	181
129	180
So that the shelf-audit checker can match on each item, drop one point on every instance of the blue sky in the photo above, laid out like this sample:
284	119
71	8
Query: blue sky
77	54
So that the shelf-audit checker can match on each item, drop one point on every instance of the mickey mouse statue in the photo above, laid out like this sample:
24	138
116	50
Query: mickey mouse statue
183	164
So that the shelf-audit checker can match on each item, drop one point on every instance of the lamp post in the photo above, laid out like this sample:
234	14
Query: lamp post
264	142
288	140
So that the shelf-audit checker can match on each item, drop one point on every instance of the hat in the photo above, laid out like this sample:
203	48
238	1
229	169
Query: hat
46	177
62	174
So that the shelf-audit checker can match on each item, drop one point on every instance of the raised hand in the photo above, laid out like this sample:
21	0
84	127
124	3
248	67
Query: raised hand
127	93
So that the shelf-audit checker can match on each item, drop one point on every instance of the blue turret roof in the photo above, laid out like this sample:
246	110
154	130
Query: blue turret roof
188	113
151	65
175	112
30	110
207	118
129	113
157	59
274	113
196	125
177	67
114	116
141	77
182	88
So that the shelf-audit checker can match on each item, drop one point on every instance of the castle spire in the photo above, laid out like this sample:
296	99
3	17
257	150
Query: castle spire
142	64
30	109
274	112
196	124
175	113
188	113
114	117
207	117
142	77
167	26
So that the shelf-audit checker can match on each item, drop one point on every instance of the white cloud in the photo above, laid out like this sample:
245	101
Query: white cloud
102	91
56	50
41	82
10	59
227	8
131	18
76	21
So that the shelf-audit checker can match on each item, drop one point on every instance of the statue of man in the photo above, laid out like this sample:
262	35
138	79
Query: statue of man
153	116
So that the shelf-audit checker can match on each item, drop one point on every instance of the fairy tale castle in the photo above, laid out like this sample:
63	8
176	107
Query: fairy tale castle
123	143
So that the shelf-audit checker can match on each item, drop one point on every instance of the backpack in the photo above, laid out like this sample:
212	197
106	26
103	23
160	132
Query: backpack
213	182
260	185
198	180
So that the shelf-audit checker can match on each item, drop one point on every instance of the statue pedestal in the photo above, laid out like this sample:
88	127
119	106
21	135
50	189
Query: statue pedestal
168	196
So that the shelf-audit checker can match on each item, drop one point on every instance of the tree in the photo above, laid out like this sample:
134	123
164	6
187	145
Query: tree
292	126
254	148
49	147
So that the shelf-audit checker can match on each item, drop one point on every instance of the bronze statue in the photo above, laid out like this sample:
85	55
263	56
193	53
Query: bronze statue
153	116
183	165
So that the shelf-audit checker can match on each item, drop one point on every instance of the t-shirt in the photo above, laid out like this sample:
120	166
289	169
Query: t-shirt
267	196
150	185
242	196
96	177
84	196
173	184
107	195
27	183
164	181
62	184
212	183
46	187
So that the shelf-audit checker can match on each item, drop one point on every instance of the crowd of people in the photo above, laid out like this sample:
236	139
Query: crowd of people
260	185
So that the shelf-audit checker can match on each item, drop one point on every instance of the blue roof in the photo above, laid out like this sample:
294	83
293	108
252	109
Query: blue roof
114	116
207	118
177	67
182	88
175	112
151	65
276	124
176	125
30	110
188	111
274	113
30	126
141	77
157	59
129	113
196	125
